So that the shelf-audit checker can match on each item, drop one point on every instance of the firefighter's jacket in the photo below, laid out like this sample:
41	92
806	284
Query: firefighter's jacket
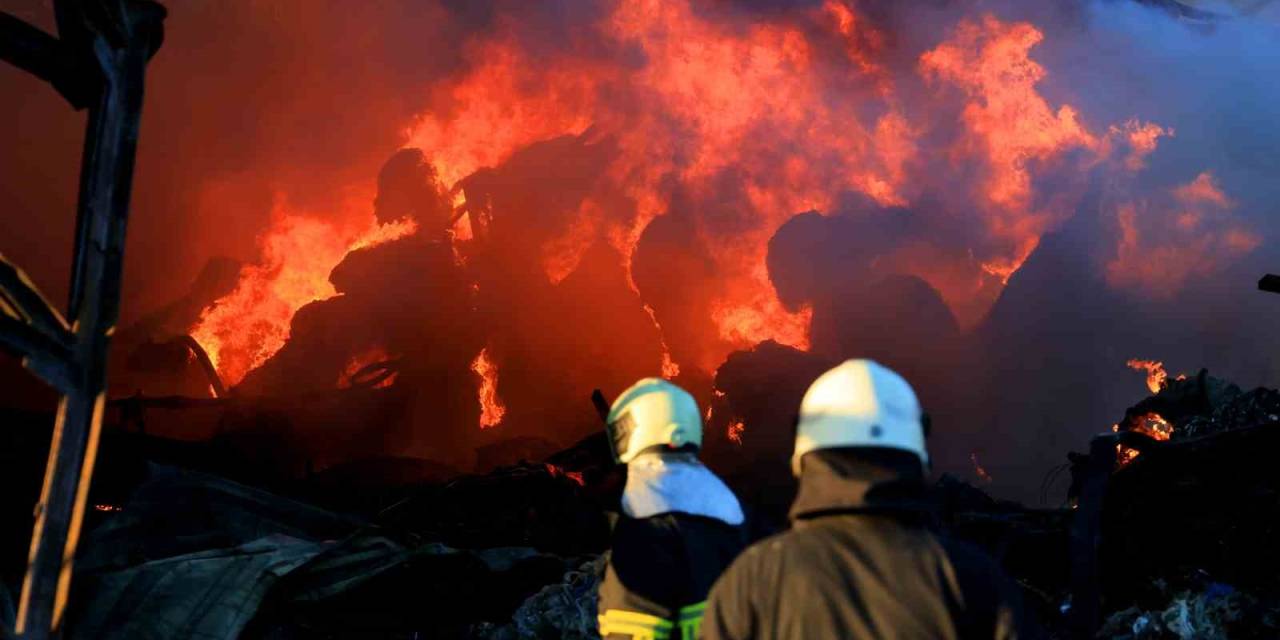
860	561
680	527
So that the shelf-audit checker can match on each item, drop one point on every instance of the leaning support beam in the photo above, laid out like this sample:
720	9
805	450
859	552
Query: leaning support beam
47	359
99	61
45	57
22	297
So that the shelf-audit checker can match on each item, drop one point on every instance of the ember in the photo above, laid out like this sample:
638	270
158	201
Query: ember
735	431
559	472
978	469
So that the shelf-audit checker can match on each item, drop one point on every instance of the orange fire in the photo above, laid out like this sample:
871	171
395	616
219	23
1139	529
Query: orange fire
361	360
1157	377
669	367
1151	424
1155	426
560	256
698	100
1011	127
716	395
243	329
735	431
559	472
491	408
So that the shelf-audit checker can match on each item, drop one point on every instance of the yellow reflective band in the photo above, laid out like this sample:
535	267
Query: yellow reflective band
640	626
691	619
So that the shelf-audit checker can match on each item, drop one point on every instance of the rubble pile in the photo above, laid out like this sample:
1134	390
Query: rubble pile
1187	524
564	610
1203	405
1241	410
1215	612
1185	545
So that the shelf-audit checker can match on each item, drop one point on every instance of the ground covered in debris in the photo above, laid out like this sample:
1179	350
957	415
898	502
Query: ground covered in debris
179	546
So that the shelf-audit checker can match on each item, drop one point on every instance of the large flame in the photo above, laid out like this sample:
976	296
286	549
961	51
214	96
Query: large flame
794	109
244	328
1011	128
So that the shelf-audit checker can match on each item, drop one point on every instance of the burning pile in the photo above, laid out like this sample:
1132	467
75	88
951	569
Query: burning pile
674	182
1191	407
1185	524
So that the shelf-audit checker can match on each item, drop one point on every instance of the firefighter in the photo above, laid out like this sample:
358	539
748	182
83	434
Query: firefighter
860	560
680	525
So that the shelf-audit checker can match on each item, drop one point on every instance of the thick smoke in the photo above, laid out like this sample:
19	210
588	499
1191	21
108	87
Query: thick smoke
1004	200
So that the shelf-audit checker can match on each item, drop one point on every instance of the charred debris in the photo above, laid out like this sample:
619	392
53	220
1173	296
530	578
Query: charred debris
1165	532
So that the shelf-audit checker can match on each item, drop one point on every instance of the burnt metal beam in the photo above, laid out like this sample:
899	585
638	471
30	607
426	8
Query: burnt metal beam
47	58
98	61
1270	283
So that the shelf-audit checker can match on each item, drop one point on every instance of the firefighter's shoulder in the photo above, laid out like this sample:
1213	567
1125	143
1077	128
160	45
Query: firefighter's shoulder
760	558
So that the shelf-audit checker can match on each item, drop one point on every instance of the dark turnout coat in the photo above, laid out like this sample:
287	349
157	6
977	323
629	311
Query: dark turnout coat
860	562
661	568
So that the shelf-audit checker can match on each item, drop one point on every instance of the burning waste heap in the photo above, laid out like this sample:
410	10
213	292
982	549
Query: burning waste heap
734	196
1187	513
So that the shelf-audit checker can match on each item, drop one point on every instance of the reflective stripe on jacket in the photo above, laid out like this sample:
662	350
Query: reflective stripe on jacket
659	573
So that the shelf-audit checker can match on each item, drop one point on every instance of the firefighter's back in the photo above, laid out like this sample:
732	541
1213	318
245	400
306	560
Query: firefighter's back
660	571
861	576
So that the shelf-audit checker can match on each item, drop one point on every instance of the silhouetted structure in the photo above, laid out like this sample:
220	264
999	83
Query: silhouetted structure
98	61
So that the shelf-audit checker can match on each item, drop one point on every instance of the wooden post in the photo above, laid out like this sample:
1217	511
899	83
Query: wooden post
98	61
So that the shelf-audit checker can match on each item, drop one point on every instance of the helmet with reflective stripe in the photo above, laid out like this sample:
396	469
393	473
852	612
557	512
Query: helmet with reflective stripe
860	403
653	412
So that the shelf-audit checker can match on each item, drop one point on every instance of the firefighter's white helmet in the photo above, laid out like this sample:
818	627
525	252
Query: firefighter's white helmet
653	412
860	403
